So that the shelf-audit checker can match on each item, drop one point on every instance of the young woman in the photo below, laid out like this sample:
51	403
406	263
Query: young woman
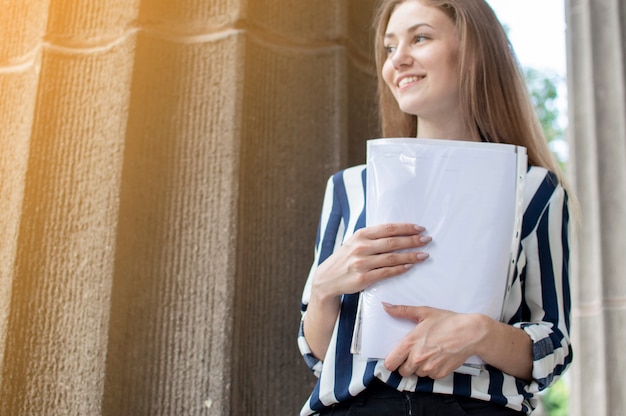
446	71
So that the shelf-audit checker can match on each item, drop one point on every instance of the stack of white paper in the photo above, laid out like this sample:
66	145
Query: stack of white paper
468	196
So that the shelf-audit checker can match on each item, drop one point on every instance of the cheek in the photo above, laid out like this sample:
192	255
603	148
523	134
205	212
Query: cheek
387	74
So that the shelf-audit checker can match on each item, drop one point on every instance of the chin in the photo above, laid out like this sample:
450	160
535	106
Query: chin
410	105
409	109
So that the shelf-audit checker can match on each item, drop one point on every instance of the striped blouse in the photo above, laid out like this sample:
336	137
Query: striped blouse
538	302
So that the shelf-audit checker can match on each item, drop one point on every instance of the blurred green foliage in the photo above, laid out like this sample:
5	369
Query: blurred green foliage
556	400
544	93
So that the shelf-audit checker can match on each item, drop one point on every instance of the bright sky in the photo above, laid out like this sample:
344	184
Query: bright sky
536	30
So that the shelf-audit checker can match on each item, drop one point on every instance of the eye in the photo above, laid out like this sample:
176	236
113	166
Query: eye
420	38
389	49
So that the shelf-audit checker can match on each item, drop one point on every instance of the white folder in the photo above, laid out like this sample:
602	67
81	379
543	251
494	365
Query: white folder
469	197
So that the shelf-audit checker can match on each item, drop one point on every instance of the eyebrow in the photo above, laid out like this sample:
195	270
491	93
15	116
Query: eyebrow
409	30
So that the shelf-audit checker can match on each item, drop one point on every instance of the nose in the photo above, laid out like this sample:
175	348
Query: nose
401	56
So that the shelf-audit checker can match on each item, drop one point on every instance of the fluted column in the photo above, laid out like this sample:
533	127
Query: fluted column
171	327
307	112
162	166
596	44
22	24
57	328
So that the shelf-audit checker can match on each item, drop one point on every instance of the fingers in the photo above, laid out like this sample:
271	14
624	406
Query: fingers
385	250
389	238
394	360
419	365
388	244
405	357
373	271
397	259
409	359
382	273
414	313
423	370
374	232
433	348
371	254
422	361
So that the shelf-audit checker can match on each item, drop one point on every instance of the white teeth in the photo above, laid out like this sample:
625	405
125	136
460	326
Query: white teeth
406	81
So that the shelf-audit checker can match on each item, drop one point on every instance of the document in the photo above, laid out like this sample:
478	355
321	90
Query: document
468	196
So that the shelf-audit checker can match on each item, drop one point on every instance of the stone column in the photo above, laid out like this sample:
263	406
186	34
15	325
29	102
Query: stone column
59	308
22	24
596	41
307	111
163	165
170	347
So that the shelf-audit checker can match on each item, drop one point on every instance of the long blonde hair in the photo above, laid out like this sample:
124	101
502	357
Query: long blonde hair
494	98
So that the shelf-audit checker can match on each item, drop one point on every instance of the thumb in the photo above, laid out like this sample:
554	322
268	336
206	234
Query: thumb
414	313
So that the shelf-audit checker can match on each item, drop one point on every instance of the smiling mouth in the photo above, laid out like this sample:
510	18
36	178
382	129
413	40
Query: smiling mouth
408	80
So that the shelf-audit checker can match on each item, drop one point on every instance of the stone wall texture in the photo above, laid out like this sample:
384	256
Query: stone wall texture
161	170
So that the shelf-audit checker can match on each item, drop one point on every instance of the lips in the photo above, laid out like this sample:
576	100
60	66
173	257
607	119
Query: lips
408	80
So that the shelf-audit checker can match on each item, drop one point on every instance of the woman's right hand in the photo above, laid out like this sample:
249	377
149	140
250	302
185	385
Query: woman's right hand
372	254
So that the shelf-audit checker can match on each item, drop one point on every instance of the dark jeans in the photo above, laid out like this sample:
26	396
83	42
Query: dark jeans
381	400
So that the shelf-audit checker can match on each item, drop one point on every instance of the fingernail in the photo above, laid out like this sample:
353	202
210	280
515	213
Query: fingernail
422	256
388	305
408	266
426	239
419	228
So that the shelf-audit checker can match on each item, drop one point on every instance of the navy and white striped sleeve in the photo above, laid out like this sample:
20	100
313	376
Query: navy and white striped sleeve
329	235
546	291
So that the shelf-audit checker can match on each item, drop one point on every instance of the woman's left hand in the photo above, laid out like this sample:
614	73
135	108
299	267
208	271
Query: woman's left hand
439	344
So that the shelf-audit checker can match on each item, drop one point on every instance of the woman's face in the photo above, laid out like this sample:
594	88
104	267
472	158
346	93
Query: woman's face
421	68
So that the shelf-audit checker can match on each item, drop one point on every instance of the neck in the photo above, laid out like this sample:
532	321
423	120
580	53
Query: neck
426	129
